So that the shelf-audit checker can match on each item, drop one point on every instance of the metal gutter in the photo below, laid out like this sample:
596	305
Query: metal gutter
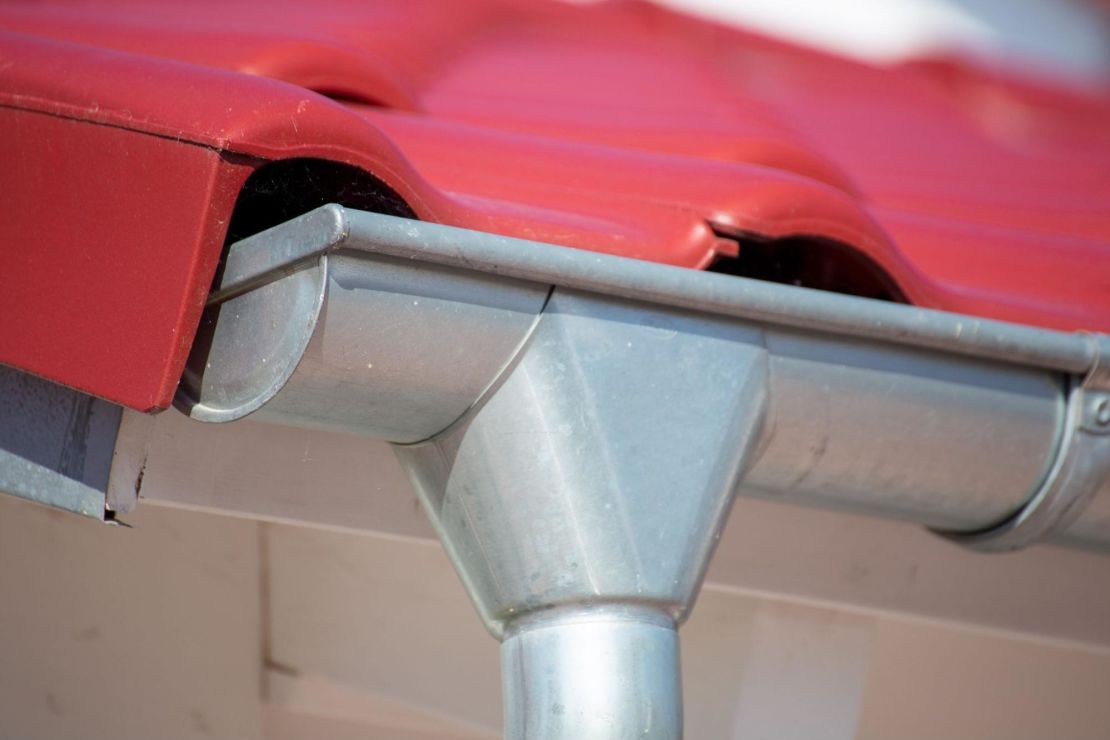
58	448
333	227
577	425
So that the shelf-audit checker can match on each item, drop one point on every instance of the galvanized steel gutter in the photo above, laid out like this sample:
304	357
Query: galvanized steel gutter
577	425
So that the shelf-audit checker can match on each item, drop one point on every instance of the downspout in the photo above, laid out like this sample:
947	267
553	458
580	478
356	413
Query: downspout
577	426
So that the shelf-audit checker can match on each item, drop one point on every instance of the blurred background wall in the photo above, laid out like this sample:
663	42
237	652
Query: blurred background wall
194	625
1053	38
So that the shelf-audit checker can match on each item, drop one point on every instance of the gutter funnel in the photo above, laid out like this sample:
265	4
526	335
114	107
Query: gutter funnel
577	425
581	501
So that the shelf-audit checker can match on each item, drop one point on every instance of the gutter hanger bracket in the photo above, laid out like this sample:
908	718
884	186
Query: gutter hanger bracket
1079	470
1081	467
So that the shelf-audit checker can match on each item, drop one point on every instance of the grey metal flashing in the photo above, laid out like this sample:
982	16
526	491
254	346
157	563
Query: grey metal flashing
56	445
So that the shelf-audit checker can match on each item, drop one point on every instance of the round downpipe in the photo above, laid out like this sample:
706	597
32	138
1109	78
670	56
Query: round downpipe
558	669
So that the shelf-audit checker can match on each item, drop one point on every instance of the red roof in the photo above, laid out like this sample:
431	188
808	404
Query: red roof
127	129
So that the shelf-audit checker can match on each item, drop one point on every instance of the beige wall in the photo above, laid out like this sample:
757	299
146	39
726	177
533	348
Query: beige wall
107	632
193	625
931	682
